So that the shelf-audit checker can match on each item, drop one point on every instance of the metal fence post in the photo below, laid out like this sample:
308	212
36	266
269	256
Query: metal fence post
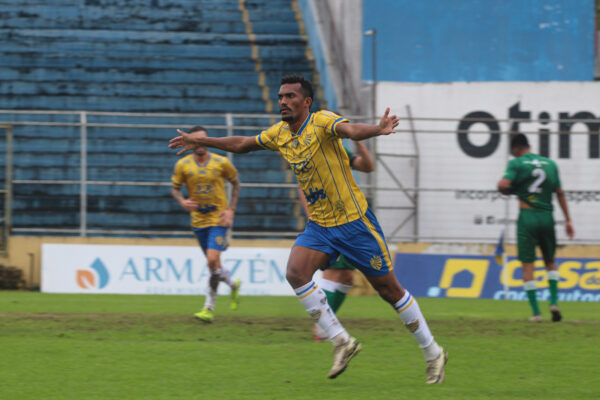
83	175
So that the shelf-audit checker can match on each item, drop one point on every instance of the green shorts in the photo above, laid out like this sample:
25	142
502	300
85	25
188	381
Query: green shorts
535	228
341	263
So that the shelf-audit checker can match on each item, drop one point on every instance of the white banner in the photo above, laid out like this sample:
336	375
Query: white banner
466	166
72	268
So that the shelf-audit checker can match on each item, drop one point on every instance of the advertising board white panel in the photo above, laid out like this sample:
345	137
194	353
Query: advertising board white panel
460	168
71	268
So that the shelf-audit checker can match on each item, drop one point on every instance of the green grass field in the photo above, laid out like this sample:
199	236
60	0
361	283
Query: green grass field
149	347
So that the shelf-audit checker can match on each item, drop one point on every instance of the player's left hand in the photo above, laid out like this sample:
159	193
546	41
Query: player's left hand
226	218
388	123
184	142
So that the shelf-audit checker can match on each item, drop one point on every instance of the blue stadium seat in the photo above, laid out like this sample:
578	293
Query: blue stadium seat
167	56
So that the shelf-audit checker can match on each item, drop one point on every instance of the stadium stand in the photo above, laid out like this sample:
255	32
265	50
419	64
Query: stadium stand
164	56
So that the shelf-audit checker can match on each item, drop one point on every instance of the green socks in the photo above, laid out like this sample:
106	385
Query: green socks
530	288
553	278
335	299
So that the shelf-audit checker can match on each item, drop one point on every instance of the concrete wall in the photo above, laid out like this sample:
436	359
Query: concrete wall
482	40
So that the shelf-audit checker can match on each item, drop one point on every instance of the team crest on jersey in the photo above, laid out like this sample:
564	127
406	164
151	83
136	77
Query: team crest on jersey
307	139
315	314
376	262
219	240
340	206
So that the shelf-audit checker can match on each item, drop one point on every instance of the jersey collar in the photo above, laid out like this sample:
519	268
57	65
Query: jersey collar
205	163
303	126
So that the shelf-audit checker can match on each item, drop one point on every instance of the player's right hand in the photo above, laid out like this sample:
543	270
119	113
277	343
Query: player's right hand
183	142
189	205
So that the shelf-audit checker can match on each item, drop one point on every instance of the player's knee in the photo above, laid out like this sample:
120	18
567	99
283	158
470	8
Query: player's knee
213	263
390	293
295	276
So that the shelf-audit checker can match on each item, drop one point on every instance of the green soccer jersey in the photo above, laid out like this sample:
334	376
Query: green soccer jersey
533	179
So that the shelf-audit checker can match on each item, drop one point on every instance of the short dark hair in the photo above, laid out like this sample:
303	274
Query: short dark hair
519	141
307	88
196	129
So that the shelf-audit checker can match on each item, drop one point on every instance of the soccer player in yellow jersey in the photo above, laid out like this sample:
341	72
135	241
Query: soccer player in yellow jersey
204	174
338	278
340	220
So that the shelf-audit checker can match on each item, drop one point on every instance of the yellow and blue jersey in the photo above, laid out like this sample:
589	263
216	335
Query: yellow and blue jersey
206	185
321	165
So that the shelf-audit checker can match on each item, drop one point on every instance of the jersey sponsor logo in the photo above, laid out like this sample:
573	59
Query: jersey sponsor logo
302	167
203	189
314	195
97	278
206	209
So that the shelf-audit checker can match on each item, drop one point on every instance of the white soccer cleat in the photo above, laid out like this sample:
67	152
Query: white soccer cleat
536	318
342	355
436	368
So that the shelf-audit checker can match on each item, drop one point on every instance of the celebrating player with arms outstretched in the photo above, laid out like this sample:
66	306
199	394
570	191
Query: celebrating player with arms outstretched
534	179
340	220
204	175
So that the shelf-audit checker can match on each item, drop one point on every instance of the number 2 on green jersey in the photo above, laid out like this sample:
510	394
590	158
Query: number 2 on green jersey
540	178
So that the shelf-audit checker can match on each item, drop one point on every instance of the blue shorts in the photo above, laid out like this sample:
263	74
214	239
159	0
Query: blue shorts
212	237
360	241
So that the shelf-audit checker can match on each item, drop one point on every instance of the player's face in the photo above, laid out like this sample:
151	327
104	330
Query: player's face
200	151
292	103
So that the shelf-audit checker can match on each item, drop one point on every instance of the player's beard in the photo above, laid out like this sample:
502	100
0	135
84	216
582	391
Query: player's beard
289	118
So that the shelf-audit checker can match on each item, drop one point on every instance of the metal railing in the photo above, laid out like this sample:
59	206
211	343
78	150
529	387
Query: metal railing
410	190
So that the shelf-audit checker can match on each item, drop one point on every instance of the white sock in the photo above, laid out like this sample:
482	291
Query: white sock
314	301
211	294
225	277
553	275
410	313
340	287
328	285
333	286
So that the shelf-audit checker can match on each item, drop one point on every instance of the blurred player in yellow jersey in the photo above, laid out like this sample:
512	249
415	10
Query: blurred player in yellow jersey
340	220
204	174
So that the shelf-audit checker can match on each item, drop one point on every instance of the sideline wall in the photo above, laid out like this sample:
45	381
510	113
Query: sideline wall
24	252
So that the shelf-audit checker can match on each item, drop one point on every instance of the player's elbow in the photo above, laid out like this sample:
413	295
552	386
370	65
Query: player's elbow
369	168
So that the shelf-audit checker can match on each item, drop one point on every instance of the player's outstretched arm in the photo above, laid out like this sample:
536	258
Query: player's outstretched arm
365	131
562	201
232	144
